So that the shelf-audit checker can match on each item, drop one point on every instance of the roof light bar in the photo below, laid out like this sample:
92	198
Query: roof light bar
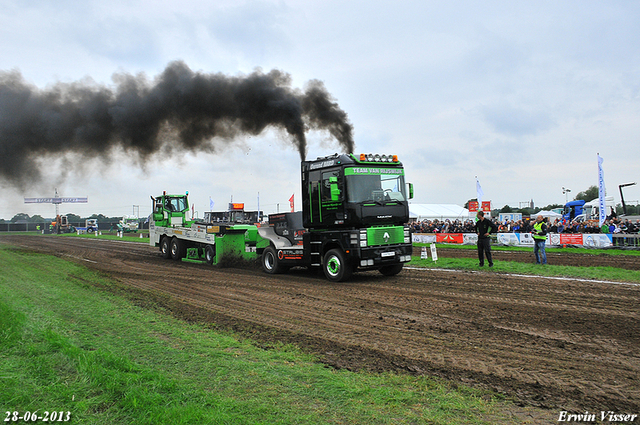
369	157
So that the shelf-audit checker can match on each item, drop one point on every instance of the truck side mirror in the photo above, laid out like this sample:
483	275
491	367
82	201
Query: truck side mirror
410	190
335	190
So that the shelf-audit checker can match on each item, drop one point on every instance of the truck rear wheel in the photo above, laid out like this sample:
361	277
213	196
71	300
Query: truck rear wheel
335	266
270	262
391	270
165	248
177	249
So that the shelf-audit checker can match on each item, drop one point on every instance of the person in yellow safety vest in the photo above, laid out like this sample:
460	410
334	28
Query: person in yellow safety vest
539	234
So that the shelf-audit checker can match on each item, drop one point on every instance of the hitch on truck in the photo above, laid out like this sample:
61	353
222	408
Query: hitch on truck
354	215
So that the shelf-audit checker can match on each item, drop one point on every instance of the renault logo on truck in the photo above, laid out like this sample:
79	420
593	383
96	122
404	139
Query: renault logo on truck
386	237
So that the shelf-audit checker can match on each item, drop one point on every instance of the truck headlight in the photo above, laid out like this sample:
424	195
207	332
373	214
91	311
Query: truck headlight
363	238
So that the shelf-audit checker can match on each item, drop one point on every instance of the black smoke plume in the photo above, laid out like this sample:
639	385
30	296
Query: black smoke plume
179	110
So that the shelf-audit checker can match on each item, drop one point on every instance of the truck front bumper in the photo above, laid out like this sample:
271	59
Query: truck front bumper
372	257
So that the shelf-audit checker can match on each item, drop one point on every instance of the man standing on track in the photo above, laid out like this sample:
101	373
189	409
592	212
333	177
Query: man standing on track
483	228
539	234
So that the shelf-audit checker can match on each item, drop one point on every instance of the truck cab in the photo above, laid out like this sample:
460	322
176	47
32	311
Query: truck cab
171	210
354	211
348	191
573	209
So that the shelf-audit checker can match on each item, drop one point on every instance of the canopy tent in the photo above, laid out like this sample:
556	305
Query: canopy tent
421	212
547	214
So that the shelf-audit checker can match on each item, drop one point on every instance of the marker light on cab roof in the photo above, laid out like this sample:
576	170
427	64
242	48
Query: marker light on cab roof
378	158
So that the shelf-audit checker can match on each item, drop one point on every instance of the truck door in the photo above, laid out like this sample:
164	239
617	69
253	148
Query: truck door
331	197
326	196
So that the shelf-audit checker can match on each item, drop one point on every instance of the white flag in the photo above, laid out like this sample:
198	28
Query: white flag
480	194
210	203
601	192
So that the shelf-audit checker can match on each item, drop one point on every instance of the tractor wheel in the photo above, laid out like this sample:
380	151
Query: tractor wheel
177	249
165	248
270	262
391	270
210	254
335	266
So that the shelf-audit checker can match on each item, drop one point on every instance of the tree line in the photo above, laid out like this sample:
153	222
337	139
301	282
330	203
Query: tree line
73	218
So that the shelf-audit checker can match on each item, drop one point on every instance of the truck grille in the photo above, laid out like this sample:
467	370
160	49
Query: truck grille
385	235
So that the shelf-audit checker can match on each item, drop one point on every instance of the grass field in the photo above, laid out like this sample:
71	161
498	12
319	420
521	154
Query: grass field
512	267
68	345
569	250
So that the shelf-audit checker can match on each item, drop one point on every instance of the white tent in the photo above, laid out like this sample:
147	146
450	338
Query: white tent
421	212
546	214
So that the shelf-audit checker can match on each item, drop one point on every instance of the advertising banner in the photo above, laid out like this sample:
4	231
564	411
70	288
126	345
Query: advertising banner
423	238
449	238
598	240
515	239
570	239
470	238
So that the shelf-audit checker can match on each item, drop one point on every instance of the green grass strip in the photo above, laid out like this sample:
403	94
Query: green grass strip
567	250
597	273
66	345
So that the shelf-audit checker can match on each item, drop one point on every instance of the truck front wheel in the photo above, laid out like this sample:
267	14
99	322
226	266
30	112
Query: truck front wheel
165	249
336	268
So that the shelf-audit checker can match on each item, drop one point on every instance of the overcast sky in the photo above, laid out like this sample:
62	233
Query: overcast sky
522	95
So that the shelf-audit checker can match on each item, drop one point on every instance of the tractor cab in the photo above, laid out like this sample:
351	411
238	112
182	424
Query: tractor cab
171	210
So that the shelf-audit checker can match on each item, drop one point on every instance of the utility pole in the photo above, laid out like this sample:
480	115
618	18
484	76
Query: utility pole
565	192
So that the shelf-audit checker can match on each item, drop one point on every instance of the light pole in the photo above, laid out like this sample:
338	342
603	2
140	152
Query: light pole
624	206
565	192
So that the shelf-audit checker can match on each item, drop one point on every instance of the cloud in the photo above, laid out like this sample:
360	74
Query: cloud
516	122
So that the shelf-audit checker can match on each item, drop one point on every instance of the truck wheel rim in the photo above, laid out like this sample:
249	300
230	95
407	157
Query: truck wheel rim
269	260
333	266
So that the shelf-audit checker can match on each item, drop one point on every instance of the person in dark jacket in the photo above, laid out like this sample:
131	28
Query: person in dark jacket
484	227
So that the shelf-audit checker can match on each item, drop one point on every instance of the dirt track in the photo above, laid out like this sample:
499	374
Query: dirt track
559	344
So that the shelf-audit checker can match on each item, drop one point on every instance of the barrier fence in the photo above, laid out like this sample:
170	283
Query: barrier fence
591	240
34	227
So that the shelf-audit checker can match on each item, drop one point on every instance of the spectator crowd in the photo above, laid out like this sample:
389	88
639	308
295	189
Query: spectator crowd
612	225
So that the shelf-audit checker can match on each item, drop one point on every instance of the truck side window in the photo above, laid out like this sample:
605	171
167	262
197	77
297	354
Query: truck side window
331	188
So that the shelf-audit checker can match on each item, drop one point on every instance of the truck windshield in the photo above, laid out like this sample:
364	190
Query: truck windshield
371	184
176	204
